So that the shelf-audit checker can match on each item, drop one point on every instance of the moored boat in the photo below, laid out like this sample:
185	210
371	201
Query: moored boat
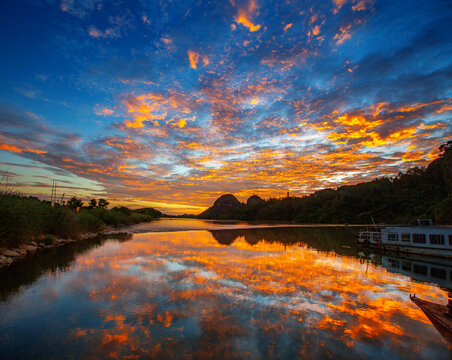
424	239
439	315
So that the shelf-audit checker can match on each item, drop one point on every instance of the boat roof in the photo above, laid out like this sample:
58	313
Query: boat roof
414	229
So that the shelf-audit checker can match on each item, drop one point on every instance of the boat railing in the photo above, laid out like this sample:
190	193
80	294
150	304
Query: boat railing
370	237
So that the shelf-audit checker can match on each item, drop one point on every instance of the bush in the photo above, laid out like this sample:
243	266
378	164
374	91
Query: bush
62	222
48	240
123	210
27	218
88	222
21	219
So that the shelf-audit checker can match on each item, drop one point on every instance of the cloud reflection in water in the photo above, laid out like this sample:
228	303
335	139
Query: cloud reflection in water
185	295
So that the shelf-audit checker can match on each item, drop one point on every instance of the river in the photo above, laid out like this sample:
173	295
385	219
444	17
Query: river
193	289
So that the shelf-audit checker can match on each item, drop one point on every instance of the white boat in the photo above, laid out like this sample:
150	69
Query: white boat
421	268
424	239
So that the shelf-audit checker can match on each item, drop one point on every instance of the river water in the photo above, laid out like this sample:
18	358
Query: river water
222	290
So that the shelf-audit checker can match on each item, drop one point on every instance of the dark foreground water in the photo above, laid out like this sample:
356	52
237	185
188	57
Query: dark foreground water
224	294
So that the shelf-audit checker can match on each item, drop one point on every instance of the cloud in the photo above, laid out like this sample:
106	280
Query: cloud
119	25
103	111
287	27
16	149
80	8
245	12
343	35
362	5
265	111
338	5
193	58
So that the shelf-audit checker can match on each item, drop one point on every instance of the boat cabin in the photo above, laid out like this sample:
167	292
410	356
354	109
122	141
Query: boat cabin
400	238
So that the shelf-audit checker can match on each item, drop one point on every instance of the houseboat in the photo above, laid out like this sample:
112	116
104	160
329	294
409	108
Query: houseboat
424	239
421	268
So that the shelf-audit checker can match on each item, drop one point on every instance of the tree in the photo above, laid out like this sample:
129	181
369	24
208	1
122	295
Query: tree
445	148
74	203
102	203
92	203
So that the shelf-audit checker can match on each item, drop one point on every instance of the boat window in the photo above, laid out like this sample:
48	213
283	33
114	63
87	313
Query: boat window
437	239
393	263
438	273
393	237
406	265
450	239
419	238
420	269
406	237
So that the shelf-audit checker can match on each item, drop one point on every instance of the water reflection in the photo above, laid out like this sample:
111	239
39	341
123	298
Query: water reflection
420	268
27	271
274	293
339	240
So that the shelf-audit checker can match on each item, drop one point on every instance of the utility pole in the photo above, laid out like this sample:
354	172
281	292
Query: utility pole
53	194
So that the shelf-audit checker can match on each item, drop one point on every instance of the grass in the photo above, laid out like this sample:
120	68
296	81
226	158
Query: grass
48	240
28	218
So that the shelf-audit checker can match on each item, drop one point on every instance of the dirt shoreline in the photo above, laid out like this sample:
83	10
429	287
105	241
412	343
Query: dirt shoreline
10	255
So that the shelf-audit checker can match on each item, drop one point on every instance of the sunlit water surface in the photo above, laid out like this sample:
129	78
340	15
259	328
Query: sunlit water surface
249	294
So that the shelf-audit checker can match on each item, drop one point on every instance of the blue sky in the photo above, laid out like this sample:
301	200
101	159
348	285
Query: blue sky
172	103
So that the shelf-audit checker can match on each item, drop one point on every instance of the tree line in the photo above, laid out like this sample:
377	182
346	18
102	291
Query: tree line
420	192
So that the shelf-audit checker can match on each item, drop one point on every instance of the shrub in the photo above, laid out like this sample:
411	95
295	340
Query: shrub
48	240
21	219
62	222
25	218
88	222
123	210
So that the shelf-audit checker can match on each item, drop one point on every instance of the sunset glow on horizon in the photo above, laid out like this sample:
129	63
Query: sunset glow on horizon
172	104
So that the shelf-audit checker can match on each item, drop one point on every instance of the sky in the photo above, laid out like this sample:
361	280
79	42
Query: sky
170	104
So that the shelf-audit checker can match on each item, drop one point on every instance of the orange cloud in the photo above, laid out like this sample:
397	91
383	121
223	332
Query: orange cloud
103	111
158	110
316	30
338	5
16	149
181	123
287	27
343	35
245	14
362	5
446	107
142	108
193	58
241	19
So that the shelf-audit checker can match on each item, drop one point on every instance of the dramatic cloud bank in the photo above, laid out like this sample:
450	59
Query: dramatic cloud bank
171	104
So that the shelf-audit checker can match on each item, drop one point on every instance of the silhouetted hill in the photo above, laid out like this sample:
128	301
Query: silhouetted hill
223	207
418	193
254	201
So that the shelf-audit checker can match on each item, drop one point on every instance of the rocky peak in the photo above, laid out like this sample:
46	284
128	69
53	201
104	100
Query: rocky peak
225	203
254	200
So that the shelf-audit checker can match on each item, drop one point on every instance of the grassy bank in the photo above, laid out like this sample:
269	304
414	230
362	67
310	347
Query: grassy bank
25	219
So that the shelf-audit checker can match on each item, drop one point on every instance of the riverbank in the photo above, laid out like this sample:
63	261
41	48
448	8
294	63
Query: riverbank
10	255
29	219
28	224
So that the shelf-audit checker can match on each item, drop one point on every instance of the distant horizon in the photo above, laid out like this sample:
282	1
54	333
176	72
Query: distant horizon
156	205
172	105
